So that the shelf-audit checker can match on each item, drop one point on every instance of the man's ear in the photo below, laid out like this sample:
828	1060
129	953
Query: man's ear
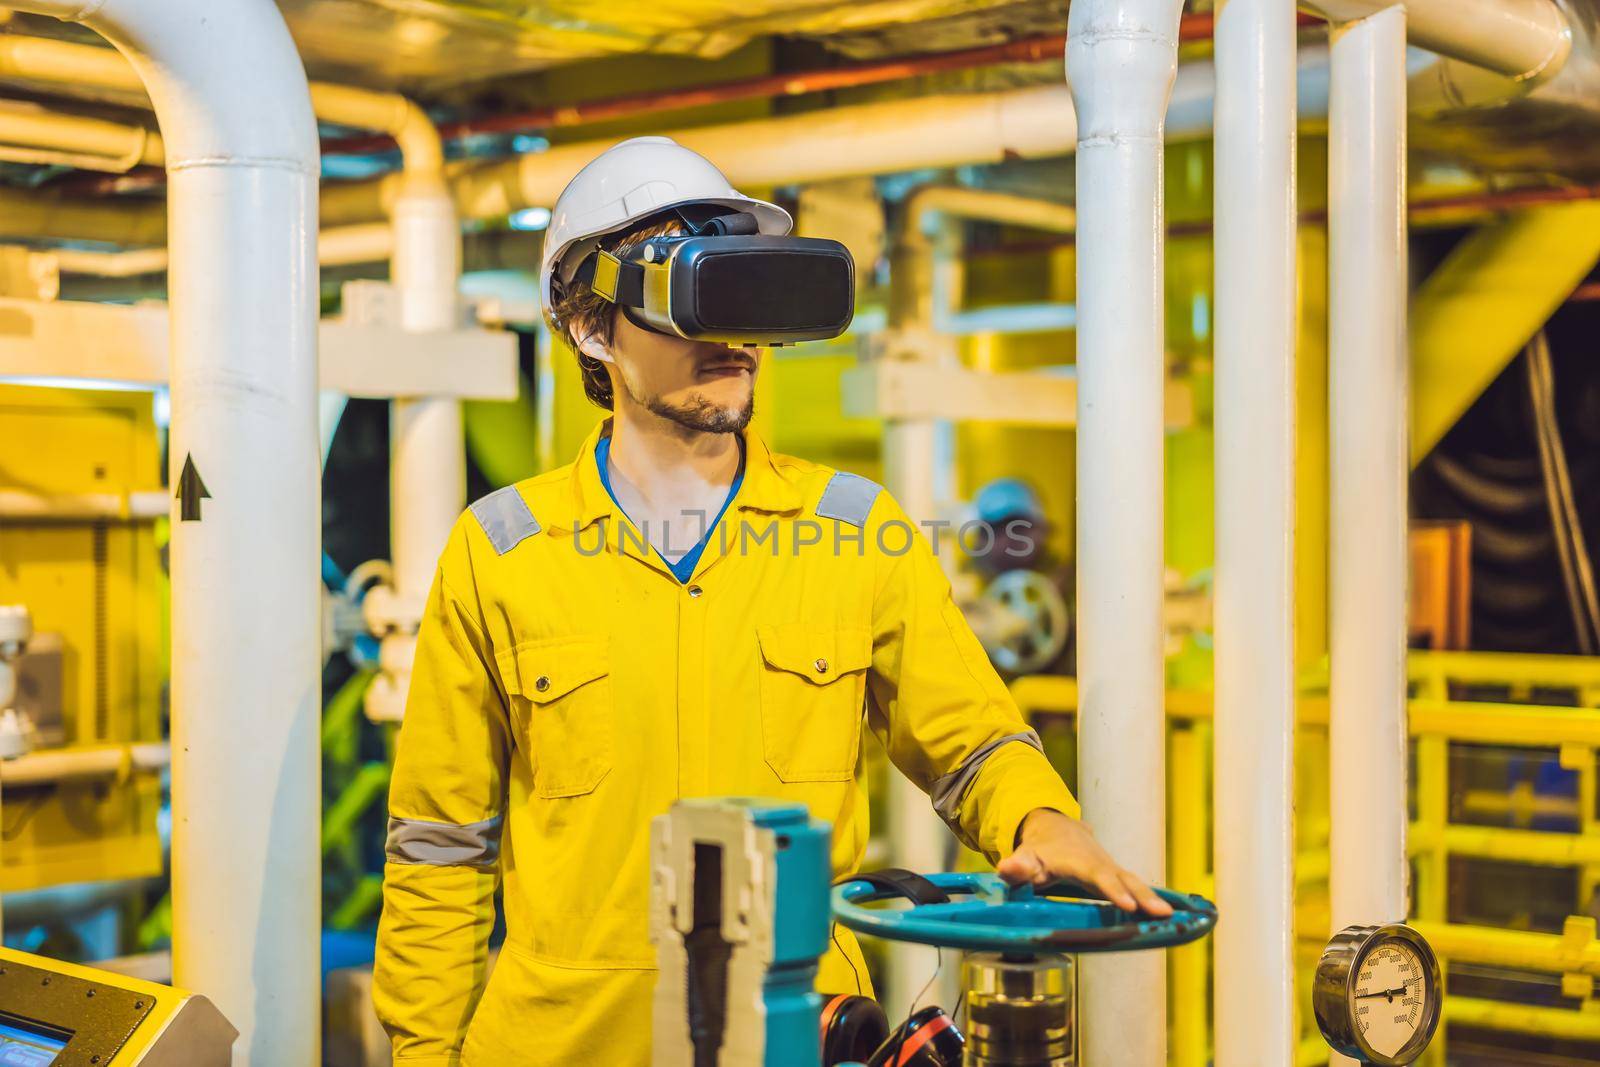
594	348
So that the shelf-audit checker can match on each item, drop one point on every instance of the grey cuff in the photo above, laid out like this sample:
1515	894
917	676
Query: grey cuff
444	844
949	791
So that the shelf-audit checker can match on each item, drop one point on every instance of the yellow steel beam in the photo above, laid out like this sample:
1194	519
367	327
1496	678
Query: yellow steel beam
1573	952
1539	847
1525	725
1583	1025
1485	301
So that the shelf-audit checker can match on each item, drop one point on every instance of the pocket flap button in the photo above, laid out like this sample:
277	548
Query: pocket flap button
542	682
821	665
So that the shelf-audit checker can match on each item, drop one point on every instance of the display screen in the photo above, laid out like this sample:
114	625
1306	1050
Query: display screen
25	1043
763	291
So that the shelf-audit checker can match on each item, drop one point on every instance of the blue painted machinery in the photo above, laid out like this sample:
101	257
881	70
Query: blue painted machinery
740	913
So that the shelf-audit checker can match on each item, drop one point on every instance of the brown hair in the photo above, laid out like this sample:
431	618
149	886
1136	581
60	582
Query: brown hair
579	309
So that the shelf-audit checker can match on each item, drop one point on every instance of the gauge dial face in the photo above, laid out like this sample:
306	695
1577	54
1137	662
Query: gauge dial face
1388	996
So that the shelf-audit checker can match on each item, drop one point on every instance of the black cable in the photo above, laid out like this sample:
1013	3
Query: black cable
904	1030
833	934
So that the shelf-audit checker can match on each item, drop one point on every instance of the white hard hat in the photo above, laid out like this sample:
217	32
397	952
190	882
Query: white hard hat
629	182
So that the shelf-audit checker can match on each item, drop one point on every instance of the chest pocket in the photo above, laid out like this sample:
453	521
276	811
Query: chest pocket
563	712
813	695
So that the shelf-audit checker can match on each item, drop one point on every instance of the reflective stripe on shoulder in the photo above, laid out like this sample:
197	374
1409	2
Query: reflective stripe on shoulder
505	518
948	792
848	498
444	844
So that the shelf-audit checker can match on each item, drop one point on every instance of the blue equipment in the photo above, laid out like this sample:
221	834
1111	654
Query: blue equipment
739	914
990	916
739	911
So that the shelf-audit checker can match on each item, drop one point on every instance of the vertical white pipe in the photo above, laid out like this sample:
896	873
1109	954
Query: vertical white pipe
230	94
1254	185
1121	59
911	454
1367	386
428	480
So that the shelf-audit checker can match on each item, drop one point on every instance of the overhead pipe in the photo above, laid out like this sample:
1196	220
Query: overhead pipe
1122	59
1368	377
241	143
1254	421
428	460
1525	40
371	242
34	135
957	129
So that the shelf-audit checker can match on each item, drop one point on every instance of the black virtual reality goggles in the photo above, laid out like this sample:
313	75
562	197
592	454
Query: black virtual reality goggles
722	281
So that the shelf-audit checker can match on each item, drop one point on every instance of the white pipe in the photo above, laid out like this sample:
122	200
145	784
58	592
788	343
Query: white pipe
864	139
1368	462
22	505
1255	465
986	204
241	143
427	445
911	449
1122	56
1527	40
57	765
368	242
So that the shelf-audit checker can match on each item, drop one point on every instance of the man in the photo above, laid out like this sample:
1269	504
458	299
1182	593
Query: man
679	612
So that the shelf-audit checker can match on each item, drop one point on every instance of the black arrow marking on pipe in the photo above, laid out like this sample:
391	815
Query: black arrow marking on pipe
191	490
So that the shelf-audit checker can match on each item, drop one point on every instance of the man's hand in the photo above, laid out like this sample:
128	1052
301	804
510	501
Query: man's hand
1053	845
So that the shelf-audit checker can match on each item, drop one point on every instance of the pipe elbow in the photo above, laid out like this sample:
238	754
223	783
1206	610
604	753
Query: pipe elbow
226	78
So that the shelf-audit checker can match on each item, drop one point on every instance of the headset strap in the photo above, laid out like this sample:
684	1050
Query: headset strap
612	278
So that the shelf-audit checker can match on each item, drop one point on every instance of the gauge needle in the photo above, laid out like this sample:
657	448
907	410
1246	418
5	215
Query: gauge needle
1390	993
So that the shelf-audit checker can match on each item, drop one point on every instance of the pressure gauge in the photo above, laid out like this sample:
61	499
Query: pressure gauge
1377	994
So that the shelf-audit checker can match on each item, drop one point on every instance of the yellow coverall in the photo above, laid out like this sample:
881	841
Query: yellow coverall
567	689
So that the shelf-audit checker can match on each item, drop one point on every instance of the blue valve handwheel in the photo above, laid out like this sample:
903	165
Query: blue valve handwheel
986	915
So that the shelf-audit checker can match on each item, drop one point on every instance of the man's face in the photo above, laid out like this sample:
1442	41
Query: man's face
700	385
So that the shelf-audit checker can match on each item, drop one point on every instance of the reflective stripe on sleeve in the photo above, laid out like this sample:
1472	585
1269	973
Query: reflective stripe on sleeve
948	791
444	844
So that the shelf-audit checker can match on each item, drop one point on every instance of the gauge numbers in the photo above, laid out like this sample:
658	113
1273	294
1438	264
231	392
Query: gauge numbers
1386	997
1377	994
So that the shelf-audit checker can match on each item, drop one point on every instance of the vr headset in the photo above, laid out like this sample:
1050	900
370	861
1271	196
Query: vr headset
722	281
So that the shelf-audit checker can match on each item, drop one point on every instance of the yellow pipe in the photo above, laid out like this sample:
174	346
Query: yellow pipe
421	150
48	60
42	216
34	135
1477	310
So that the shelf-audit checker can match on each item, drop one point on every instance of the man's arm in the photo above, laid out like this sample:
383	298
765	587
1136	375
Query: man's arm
950	725
446	804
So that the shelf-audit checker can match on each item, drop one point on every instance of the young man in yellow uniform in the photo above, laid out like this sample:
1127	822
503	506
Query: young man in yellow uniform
677	613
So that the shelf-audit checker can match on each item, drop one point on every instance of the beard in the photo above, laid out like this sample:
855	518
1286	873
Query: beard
701	415
695	413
